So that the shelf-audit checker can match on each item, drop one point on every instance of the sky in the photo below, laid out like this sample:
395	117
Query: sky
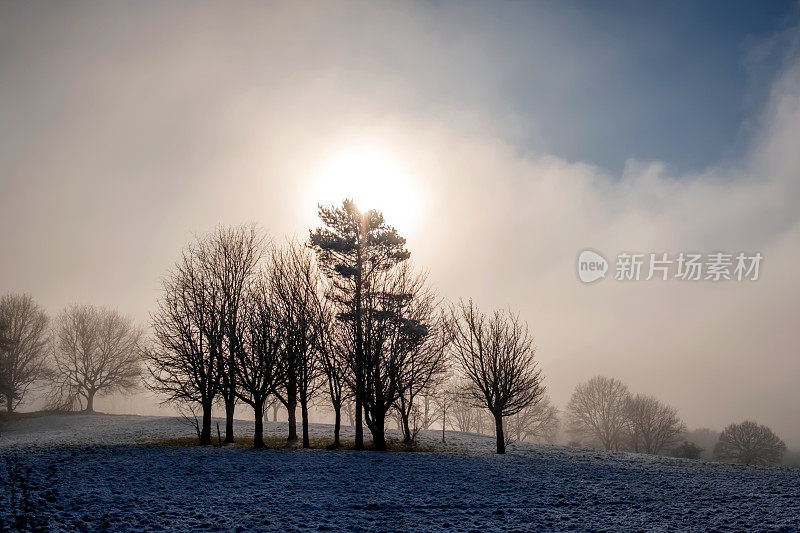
501	139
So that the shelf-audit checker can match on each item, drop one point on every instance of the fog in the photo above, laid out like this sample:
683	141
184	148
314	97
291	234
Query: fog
126	129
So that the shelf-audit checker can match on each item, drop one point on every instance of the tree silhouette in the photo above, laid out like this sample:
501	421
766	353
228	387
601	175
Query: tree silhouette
23	347
597	411
538	421
651	426
183	360
229	257
259	365
749	443
354	247
496	355
399	315
298	295
98	352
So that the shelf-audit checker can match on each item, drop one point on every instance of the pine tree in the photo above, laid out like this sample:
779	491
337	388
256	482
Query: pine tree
353	248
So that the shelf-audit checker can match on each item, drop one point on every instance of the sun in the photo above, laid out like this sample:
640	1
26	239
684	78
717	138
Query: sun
374	179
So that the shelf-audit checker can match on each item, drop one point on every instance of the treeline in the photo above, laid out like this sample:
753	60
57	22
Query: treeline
342	315
340	319
602	412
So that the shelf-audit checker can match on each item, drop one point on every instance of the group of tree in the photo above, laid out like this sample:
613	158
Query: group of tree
451	406
85	353
604	413
342	319
342	315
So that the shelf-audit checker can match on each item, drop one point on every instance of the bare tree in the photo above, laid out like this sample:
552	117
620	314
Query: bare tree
229	257
425	367
349	408
98	352
749	443
23	347
398	311
183	361
463	415
482	424
334	354
296	284
596	411
273	403
445	398
496	355
259	365
537	422
651	426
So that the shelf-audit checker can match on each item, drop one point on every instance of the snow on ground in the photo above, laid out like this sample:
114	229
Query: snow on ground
95	473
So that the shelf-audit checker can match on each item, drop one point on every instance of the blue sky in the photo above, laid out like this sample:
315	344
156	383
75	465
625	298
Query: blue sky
677	81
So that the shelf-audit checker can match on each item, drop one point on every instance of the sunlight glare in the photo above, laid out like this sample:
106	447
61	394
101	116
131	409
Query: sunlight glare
375	180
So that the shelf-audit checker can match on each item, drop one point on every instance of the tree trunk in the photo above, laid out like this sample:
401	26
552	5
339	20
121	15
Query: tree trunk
205	431
9	403
360	385
274	413
230	406
359	426
337	424
378	433
406	428
291	408
498	426
304	415
90	401
258	432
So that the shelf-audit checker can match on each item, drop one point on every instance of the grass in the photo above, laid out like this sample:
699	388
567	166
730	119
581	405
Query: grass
279	443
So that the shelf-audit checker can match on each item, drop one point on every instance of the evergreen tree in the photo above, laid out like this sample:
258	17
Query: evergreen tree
353	248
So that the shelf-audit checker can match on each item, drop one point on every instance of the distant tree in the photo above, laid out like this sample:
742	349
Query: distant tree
349	408
687	450
749	443
651	426
597	411
275	404
537	422
183	360
463	413
445	398
353	248
482	422
23	347
496	355
705	438
98	351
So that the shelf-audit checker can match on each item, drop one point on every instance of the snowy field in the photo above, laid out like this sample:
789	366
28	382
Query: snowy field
98	473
